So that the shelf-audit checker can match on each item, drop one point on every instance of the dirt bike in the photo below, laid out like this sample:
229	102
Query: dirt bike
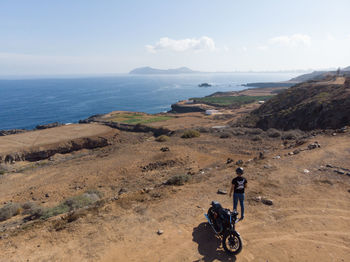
223	222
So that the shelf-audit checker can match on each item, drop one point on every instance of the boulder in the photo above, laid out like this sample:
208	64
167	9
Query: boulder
229	161
267	202
222	192
313	145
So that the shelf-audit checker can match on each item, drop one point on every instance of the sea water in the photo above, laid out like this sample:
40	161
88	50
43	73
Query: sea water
30	102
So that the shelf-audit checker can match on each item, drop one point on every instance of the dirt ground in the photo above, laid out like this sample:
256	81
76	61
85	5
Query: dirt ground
308	221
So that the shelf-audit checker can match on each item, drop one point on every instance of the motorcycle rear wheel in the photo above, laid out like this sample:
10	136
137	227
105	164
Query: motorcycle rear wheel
232	243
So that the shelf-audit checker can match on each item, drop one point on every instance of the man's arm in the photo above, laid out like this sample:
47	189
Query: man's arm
231	190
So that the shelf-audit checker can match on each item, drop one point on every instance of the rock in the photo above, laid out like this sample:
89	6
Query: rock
343	129
147	189
348	174
229	161
160	232
47	195
334	134
261	155
239	162
329	165
340	172
12	132
322	168
222	192
51	125
277	157
122	191
296	151
290	153
267	166
165	149
313	145
257	199
306	171
267	202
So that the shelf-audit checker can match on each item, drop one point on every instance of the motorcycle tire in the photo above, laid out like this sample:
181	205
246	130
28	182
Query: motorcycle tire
232	243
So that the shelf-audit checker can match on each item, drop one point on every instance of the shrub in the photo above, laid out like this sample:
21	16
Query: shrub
2	172
273	132
9	210
291	135
32	209
178	180
204	129
238	131
94	191
225	135
254	131
256	138
190	134
162	138
73	203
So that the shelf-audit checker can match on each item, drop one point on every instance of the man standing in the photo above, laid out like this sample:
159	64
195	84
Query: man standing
239	183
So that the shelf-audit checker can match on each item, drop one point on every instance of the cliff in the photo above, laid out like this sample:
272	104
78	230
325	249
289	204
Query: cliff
307	106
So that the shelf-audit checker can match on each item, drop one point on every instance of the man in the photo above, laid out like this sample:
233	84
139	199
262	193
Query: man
239	183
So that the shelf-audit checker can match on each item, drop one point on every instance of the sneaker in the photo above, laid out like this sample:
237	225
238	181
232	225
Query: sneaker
241	218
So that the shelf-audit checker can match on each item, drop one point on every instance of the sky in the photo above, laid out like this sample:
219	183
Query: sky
108	37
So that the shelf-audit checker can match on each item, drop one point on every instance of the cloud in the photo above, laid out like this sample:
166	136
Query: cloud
292	40
330	37
182	45
263	47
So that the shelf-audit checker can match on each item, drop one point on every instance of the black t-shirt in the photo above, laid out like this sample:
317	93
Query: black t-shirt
239	183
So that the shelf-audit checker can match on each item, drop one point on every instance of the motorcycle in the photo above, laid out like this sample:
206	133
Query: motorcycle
223	222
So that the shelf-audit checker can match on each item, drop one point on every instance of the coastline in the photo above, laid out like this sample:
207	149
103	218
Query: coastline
177	107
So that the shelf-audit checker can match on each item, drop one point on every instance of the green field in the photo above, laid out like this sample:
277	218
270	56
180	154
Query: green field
137	118
230	100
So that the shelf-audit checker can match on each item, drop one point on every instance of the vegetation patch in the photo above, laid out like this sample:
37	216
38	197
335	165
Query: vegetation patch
9	210
72	203
162	138
178	180
271	132
190	134
137	118
229	100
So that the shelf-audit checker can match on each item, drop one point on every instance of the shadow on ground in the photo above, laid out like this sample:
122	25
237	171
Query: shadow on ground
209	245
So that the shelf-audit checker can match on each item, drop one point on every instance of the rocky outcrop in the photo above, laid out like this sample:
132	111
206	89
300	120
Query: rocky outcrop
36	154
157	131
12	132
50	125
184	108
307	106
139	128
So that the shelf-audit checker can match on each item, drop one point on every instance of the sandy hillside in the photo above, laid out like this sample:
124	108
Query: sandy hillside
308	221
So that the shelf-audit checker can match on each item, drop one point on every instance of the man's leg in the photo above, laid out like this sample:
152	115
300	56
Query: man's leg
235	201
241	202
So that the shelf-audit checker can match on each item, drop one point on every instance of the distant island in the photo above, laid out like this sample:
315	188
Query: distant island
154	71
204	85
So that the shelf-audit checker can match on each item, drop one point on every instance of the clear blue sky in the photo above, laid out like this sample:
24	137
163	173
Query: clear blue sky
86	36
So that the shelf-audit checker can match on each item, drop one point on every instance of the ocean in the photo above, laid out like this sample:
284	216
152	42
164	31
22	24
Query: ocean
30	102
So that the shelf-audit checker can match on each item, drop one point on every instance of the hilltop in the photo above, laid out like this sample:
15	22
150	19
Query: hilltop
310	105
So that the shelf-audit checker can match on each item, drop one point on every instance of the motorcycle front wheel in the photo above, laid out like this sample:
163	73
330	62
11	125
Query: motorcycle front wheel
232	243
